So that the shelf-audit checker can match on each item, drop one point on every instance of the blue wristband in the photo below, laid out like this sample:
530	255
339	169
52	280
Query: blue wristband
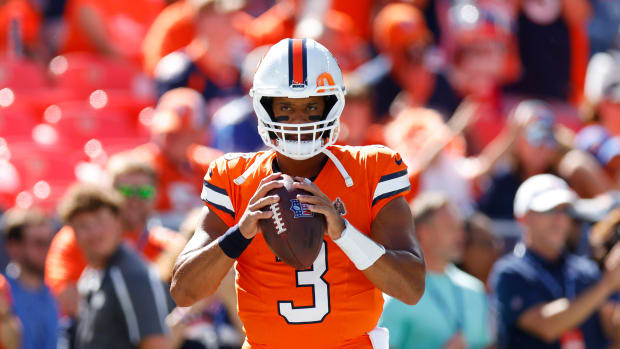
233	243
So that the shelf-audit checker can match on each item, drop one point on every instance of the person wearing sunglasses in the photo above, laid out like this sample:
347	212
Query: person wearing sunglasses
135	181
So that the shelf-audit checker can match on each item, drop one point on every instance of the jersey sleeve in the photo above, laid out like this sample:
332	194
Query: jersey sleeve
216	191
389	177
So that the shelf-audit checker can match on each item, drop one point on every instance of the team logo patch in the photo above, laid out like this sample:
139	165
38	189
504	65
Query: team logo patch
339	206
300	209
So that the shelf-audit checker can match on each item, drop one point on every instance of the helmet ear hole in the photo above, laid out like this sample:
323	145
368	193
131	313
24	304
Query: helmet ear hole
267	103
330	101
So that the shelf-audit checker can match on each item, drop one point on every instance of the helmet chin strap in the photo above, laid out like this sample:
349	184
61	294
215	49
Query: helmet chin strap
343	172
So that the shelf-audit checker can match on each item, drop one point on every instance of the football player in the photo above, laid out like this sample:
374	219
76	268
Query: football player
369	246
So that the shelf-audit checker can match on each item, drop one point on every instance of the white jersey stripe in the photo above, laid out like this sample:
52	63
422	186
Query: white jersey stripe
219	199
391	185
120	288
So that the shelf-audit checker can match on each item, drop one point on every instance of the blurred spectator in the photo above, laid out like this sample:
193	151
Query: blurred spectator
553	47
234	125
112	28
337	32
10	329
208	64
356	120
271	26
482	55
602	91
179	128
604	25
453	312
548	298
20	23
604	236
540	145
28	234
482	247
596	140
122	302
135	182
407	63
212	323
434	152
172	29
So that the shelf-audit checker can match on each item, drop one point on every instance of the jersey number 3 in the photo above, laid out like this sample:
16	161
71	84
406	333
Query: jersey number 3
312	277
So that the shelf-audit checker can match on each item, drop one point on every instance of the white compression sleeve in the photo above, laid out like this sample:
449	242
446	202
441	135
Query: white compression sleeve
361	250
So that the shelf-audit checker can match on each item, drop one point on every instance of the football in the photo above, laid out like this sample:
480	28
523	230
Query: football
294	233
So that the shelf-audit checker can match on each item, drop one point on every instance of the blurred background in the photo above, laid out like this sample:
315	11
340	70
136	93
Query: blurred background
477	96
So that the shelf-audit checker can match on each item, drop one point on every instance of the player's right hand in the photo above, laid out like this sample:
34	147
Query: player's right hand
248	224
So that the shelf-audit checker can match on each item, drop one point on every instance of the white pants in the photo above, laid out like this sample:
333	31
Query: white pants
380	338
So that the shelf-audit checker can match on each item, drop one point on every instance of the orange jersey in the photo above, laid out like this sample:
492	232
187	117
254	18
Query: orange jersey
21	16
173	29
65	260
124	23
332	304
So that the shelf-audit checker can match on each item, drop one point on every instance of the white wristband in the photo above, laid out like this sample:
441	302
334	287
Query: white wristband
360	249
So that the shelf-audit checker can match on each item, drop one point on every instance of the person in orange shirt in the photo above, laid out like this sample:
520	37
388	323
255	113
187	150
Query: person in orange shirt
20	23
369	246
113	28
135	180
178	130
173	29
10	327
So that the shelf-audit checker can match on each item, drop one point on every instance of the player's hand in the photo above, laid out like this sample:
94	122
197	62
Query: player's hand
319	202
248	224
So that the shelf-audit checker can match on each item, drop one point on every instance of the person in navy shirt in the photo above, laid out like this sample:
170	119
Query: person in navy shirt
546	297
27	234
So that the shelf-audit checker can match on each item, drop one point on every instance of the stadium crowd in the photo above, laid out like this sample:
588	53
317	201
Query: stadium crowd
507	113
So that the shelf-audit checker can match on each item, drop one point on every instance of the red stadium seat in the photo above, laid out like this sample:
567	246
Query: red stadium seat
44	172
84	73
21	74
16	121
78	122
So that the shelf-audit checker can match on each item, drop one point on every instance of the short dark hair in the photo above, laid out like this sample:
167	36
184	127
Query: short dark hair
87	198
16	219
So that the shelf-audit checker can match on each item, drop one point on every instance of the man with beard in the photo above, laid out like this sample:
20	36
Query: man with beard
28	234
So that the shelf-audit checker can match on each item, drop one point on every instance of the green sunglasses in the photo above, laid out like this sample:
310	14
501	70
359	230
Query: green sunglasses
145	192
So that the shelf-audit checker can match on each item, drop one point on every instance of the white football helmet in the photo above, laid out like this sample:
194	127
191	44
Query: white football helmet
298	68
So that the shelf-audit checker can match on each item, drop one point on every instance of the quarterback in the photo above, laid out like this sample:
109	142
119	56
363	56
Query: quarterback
369	246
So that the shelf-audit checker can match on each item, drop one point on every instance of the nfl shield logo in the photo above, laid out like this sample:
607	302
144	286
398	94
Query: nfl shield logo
300	209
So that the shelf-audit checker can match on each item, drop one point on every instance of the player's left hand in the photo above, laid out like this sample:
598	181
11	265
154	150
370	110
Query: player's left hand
319	202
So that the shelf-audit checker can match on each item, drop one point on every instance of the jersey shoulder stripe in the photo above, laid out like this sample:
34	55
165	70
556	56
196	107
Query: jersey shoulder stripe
219	190
218	197
390	185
